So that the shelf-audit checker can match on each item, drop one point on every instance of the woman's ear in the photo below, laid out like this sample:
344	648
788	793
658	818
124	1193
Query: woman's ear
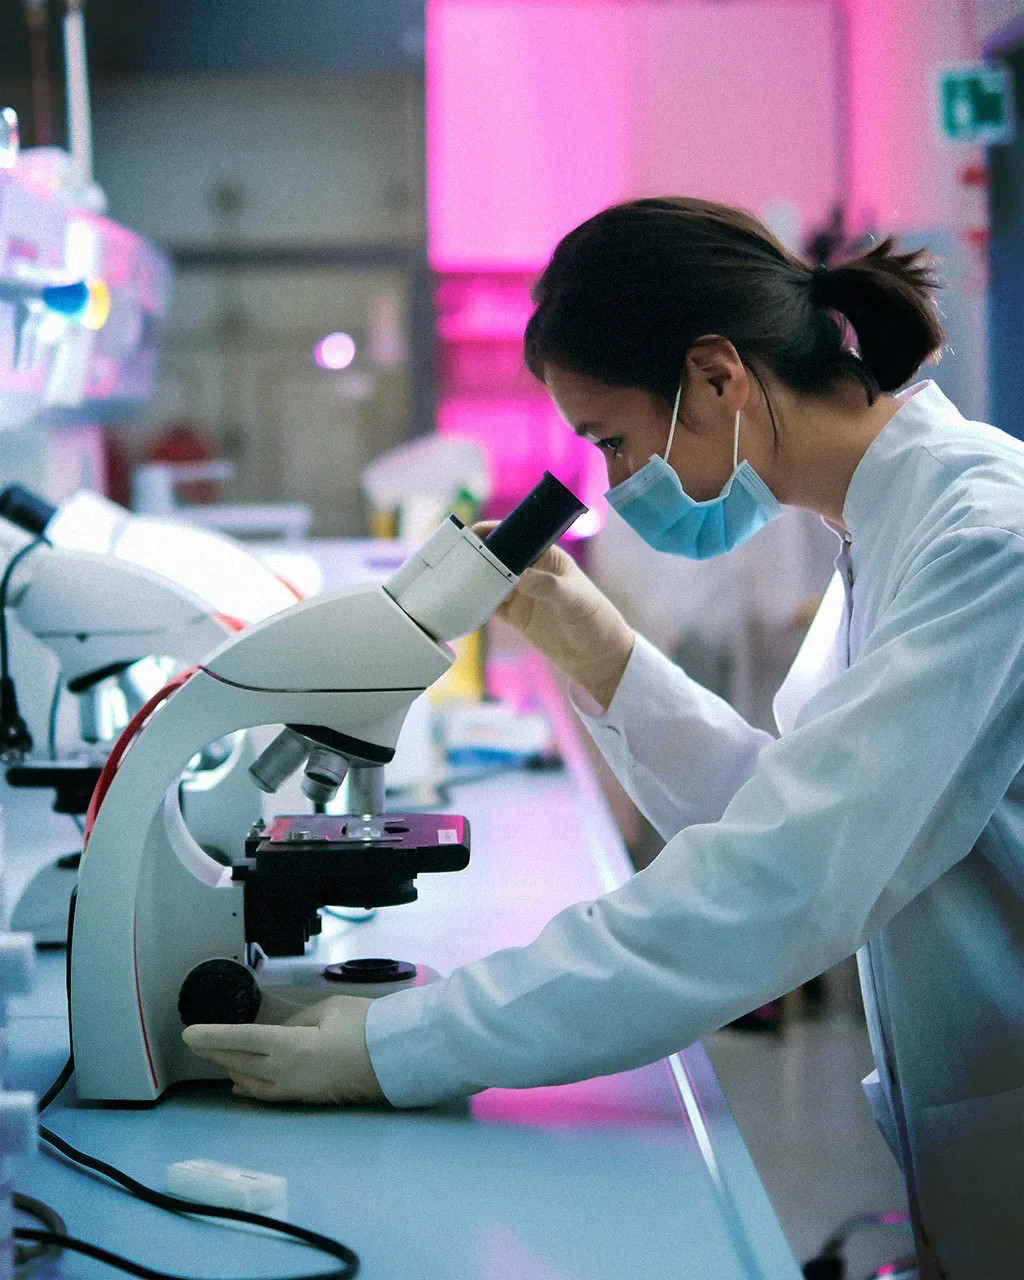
715	373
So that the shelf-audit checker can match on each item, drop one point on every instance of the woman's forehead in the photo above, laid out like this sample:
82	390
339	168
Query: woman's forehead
585	401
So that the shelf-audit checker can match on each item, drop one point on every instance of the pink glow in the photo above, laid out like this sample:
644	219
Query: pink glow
522	437
488	395
538	115
484	308
515	102
119	250
753	122
499	1254
607	1101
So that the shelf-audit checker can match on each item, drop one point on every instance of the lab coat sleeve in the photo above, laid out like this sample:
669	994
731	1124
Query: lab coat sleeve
887	780
680	751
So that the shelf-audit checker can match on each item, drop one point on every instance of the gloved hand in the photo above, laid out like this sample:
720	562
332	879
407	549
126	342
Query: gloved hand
571	621
319	1055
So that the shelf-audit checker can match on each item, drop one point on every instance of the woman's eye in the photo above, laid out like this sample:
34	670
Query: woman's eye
612	445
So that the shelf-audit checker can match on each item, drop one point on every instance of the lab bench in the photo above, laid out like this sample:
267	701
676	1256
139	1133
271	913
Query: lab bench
641	1174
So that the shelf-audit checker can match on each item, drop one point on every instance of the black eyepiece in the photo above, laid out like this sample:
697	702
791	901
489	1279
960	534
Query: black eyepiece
535	524
26	509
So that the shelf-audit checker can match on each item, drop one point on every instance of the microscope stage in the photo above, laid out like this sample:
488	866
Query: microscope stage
430	841
301	863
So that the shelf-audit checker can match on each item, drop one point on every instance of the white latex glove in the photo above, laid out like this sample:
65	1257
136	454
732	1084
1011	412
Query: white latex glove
571	621
319	1055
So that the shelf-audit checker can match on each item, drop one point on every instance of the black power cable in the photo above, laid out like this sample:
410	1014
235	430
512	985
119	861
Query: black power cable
67	1071
50	1219
829	1263
177	1204
61	1241
5	585
58	1239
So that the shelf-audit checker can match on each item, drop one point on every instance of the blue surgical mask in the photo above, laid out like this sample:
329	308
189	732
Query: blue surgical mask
654	504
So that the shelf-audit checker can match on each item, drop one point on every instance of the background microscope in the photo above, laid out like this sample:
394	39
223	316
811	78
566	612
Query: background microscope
122	602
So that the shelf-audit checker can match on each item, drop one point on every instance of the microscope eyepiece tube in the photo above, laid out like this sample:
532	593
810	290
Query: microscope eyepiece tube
535	524
279	761
26	509
454	582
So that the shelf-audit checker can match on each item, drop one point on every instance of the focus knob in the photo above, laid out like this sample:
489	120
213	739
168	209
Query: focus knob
219	991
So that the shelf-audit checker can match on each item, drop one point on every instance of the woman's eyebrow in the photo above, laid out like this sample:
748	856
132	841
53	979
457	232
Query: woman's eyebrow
588	428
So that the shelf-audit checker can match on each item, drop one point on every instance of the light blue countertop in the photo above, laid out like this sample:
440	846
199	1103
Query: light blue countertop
640	1175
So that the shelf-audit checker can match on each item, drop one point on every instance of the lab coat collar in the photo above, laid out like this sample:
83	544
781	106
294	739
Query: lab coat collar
924	414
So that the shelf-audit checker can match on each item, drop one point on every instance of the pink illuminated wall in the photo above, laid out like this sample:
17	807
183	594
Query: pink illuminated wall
524	437
541	112
529	125
741	103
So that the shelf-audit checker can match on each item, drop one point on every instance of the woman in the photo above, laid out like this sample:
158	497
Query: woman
717	373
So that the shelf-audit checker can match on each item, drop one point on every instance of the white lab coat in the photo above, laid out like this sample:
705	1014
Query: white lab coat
889	816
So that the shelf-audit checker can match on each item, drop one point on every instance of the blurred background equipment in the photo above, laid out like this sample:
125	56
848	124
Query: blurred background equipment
122	603
412	488
84	298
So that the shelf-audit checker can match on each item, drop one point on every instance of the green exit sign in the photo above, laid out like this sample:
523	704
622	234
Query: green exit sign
976	105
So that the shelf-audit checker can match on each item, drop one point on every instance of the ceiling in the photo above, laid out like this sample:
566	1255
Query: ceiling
128	37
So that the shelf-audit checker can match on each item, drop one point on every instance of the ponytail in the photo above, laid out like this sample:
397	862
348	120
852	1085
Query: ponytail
888	299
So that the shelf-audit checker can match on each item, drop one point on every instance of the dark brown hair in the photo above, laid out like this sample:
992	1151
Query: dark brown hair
629	292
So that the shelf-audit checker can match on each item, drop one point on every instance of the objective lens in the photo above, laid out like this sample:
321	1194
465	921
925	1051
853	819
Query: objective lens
279	761
325	773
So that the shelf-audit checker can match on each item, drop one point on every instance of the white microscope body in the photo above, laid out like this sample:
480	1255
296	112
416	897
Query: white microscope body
154	912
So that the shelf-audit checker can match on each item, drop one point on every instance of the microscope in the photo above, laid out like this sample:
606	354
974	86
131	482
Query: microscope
121	602
163	934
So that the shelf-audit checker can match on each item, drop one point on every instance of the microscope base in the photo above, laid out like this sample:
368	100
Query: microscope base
288	988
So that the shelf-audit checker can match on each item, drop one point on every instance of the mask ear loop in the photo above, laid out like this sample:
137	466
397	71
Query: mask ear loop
675	419
736	443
